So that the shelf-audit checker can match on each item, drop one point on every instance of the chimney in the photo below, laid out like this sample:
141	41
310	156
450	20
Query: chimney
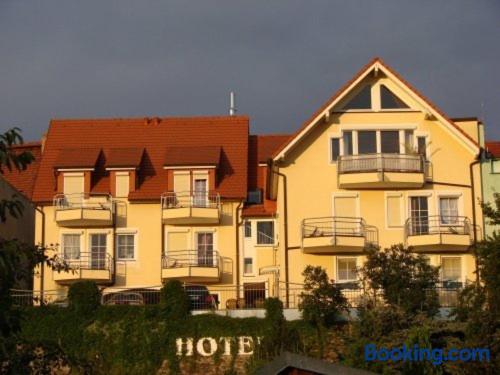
232	108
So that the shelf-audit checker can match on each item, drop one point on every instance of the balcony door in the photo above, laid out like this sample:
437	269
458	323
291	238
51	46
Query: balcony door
419	215
200	192
98	251
205	248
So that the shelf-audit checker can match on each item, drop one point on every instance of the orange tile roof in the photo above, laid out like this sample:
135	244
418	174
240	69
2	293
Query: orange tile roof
80	157
493	147
351	81
124	157
24	181
202	155
230	133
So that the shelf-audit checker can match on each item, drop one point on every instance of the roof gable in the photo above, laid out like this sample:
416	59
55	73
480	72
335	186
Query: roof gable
339	99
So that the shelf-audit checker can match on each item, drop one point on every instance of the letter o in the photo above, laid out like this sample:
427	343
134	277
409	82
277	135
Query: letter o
465	355
383	354
200	346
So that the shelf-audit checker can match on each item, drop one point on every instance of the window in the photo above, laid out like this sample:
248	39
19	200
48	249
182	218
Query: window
389	142
205	244
265	232
448	210
394	217
248	265
389	100
126	246
419	215
98	251
422	146
335	148
71	246
248	229
254	197
347	138
200	192
409	141
495	166
122	184
346	269
451	271
363	100
367	142
73	188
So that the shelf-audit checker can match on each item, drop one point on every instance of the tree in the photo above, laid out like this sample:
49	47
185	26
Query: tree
321	302
492	212
406	280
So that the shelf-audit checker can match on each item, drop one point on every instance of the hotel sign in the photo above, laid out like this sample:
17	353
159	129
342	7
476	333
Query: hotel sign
208	346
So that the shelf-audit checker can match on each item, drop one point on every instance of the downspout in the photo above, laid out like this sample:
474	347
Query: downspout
474	222
238	224
285	233
42	266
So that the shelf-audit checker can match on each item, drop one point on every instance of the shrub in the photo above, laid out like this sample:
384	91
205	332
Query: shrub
174	301
405	279
84	297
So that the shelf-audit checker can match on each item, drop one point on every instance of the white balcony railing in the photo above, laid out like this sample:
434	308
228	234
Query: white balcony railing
383	163
183	199
83	201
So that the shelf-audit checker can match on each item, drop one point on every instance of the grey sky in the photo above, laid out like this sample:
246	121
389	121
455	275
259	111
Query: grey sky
284	58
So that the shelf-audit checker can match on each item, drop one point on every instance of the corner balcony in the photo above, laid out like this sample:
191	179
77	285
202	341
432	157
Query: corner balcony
380	171
97	267
190	208
330	235
439	233
191	266
83	210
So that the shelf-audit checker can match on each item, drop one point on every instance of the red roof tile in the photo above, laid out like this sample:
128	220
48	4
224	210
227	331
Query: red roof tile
183	156
123	157
260	210
268	144
80	157
24	181
230	133
493	147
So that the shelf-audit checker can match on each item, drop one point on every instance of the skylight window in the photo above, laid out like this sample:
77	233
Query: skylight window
389	100
363	100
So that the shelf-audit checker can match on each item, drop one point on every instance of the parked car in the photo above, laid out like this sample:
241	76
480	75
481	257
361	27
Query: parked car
124	298
200	298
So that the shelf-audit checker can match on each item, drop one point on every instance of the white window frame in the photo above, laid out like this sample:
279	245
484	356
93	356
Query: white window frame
337	274
462	273
132	232
347	195
253	266
82	242
121	174
257	244
401	208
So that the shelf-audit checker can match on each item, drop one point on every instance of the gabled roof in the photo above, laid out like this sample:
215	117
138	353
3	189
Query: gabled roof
24	181
77	158
192	156
268	144
493	147
230	133
124	157
376	64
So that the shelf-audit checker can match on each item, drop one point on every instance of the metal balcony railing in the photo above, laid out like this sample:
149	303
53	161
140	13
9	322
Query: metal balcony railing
88	261
383	163
191	258
438	224
83	201
182	199
334	226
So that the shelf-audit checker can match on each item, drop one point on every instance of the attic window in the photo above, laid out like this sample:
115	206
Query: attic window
254	197
363	100
389	100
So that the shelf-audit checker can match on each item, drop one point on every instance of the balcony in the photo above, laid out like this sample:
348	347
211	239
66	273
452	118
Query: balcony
83	210
380	171
439	233
190	208
191	266
97	267
330	235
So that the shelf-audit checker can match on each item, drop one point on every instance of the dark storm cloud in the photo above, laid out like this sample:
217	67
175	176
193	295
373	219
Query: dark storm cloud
283	58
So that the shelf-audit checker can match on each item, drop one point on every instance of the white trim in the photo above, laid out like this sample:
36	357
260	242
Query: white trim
462	266
191	167
126	231
422	193
262	164
449	194
347	195
275	234
336	265
401	210
367	126
79	232
122	169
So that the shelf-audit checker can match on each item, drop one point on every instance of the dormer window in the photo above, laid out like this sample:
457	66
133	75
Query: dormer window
74	168
122	164
254	197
